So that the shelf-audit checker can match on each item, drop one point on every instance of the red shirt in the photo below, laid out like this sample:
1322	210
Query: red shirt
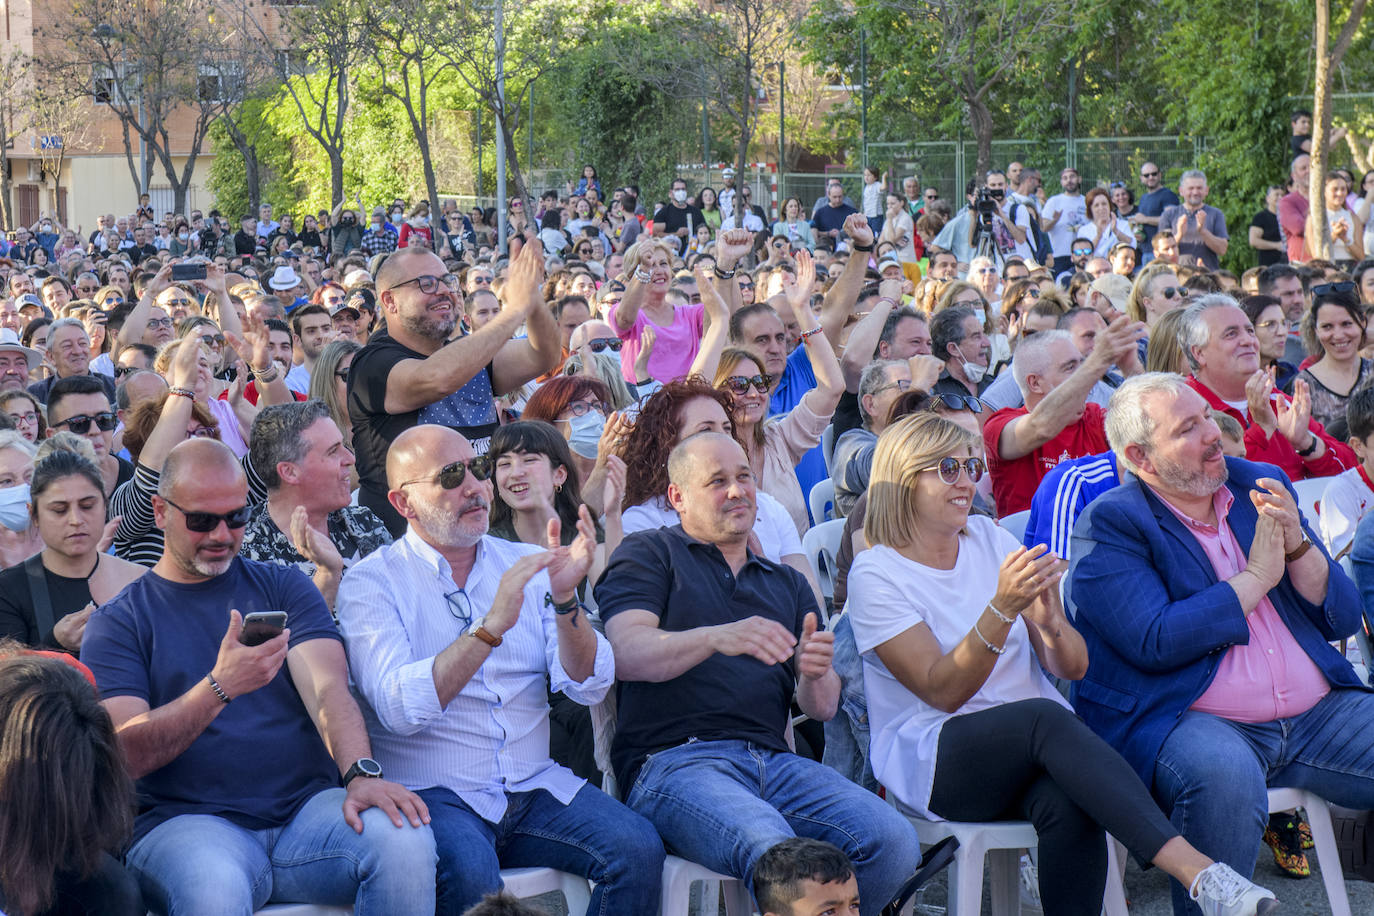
1014	482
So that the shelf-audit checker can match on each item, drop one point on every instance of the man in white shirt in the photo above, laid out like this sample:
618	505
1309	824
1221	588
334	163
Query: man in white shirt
1062	215
451	635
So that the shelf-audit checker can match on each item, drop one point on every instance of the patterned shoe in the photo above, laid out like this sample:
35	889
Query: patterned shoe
1284	838
1305	831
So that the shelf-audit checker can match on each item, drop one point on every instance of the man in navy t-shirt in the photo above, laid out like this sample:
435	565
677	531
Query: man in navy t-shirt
238	756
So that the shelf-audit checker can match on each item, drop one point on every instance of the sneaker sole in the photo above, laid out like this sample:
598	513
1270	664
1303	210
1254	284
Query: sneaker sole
1267	906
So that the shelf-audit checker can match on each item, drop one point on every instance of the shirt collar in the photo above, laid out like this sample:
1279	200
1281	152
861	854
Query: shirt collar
709	547
432	559
1222	500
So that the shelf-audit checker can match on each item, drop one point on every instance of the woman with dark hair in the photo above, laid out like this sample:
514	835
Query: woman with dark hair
579	407
310	234
1271	330
47	599
588	180
68	807
1333	330
551	234
709	205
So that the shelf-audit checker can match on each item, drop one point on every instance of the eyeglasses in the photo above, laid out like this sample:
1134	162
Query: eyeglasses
460	606
213	341
186	303
739	384
451	476
600	343
580	408
203	432
25	419
159	322
121	371
428	283
81	423
1333	289
1282	323
949	468
203	522
903	384
958	402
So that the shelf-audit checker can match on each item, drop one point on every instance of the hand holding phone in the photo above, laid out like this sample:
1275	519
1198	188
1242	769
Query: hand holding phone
261	626
188	271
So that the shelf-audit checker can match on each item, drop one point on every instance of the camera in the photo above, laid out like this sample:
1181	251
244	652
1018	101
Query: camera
985	203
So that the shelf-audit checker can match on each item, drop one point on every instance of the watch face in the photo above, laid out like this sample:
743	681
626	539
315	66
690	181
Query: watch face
369	767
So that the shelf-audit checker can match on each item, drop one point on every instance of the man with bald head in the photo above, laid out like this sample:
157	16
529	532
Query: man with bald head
255	775
410	374
711	643
452	635
593	331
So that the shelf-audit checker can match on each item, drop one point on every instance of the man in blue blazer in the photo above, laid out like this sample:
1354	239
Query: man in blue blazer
1208	605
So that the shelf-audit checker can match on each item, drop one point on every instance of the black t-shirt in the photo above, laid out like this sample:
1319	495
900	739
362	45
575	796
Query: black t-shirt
17	617
1295	145
310	238
688	584
245	242
847	414
141	253
470	410
673	218
1269	231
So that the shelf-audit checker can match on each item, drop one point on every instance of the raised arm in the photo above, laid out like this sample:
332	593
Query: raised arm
717	327
844	292
137	320
864	336
541	350
732	247
825	397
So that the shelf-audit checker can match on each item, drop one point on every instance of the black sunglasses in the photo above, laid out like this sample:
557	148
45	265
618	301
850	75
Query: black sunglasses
451	476
121	371
958	402
739	384
1333	289
600	343
203	522
81	423
1170	292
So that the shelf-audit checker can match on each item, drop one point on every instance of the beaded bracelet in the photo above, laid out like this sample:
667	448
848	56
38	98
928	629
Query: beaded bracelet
219	691
181	393
999	615
991	648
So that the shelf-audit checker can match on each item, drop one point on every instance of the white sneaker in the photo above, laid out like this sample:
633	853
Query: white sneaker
1220	891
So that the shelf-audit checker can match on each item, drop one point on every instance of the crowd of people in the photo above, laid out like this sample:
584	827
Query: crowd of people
394	560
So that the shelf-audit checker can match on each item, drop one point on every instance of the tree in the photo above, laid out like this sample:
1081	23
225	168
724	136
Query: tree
145	67
15	73
1327	59
59	129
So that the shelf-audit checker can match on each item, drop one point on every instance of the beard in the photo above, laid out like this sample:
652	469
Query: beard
198	565
1193	482
428	327
447	526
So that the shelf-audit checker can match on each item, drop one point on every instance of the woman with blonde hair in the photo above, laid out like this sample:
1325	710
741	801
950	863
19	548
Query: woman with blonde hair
329	381
677	328
1156	291
957	623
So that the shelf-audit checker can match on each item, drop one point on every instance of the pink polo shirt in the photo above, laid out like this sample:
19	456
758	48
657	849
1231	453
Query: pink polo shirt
1270	677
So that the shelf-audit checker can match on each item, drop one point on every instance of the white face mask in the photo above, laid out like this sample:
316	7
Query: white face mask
680	196
396	214
182	236
974	372
376	224
982	315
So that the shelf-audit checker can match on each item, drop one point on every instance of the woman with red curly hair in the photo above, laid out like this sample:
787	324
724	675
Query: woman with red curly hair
580	407
674	412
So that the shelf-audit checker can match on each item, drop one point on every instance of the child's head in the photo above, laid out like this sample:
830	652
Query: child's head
801	877
1359	421
1232	434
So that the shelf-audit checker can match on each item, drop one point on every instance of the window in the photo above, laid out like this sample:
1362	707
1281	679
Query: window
220	82
103	85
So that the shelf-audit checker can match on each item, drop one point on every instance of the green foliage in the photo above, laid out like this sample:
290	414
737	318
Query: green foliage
228	180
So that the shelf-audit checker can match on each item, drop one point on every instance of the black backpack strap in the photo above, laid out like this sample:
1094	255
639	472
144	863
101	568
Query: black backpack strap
42	601
936	859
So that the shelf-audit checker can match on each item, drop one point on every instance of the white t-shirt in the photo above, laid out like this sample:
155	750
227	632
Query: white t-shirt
888	595
1344	502
1072	214
1340	251
772	523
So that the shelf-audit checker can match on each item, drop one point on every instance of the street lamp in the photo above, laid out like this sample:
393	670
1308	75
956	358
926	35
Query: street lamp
782	128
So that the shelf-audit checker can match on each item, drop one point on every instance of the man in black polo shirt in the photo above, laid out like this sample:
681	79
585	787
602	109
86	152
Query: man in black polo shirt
408	374
678	218
711	641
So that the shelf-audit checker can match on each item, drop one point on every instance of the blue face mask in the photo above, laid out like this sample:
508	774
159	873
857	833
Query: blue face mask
14	507
584	433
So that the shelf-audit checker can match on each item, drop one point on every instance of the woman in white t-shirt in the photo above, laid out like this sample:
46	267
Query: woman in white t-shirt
955	620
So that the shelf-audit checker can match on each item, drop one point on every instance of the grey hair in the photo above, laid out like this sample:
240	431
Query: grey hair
1033	356
1192	327
277	436
63	323
873	377
65	442
10	438
1128	422
1193	174
947	327
607	366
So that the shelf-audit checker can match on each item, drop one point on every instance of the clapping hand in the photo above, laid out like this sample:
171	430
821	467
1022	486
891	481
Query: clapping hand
815	651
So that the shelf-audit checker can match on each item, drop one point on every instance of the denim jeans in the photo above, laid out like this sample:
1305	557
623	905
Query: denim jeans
846	734
722	804
593	835
202	865
1211	773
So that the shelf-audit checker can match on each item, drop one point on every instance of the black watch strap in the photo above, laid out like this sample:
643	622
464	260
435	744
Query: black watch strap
363	766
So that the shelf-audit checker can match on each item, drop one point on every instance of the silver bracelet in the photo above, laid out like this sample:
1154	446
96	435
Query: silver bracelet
643	276
999	615
991	648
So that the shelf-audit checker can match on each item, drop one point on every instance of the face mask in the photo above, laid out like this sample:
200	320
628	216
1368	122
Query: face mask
376	224
182	236
584	433
420	221
974	372
982	315
14	507
680	196
396	214
45	229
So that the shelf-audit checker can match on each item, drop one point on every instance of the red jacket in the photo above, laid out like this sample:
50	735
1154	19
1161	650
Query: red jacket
1279	451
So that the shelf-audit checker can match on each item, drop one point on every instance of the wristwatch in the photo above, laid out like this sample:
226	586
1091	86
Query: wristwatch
477	629
363	766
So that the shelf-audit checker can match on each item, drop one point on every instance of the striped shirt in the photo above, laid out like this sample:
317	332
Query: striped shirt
1063	495
138	539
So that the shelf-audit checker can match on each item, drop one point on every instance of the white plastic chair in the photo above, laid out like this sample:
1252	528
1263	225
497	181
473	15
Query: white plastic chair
1323	838
828	448
1310	492
1001	842
822	501
821	544
1016	523
519	882
678	877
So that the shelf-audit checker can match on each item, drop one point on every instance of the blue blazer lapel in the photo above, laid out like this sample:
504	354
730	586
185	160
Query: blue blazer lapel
1243	516
1172	527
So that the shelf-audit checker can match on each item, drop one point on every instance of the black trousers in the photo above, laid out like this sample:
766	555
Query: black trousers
1035	760
111	891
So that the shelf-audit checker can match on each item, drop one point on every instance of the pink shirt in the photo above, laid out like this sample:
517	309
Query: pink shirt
674	347
1270	677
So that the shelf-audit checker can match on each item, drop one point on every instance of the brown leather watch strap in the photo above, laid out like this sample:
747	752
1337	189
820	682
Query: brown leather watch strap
487	636
1302	548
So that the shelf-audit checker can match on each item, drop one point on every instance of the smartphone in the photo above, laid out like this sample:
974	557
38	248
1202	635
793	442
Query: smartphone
261	626
188	271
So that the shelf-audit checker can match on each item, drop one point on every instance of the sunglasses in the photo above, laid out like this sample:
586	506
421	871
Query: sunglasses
958	402
480	280
81	423
204	432
1333	289
451	476
1082	251
1032	292
948	469
744	286
739	384
341	374
1170	292
600	343
1149	174
121	371
204	522
214	341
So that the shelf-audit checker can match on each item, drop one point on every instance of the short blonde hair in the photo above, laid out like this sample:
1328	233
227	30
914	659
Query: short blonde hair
640	250
1141	288
905	448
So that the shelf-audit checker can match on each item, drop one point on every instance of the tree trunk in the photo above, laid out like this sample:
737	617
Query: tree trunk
1318	242
981	121
513	173
253	175
5	186
336	177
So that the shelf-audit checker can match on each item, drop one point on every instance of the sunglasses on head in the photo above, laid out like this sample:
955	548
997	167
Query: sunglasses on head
739	384
204	522
958	402
600	343
451	476
1333	289
949	468
81	423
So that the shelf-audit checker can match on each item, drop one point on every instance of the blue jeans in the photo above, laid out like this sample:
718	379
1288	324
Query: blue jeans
593	835
722	804
1211	773
846	734
202	865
